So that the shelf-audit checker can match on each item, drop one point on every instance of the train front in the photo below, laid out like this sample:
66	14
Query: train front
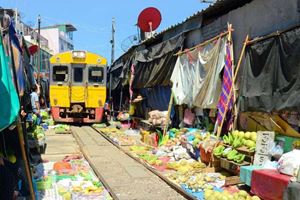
77	87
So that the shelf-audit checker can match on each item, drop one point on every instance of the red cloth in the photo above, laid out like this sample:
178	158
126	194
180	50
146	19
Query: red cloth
269	184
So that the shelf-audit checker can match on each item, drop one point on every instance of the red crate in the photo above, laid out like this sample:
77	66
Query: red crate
206	157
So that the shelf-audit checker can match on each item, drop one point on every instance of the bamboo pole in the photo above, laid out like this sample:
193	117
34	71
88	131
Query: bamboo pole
202	44
234	79
168	114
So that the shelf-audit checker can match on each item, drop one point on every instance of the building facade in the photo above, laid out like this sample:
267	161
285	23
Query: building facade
30	35
60	37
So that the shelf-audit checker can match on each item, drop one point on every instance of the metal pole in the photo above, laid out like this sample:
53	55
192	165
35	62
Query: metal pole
112	52
111	62
39	49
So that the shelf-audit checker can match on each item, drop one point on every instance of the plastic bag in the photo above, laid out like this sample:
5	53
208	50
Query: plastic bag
289	163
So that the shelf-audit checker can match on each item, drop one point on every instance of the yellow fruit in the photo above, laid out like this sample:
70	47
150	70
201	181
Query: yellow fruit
247	135
12	158
253	136
67	196
243	193
255	198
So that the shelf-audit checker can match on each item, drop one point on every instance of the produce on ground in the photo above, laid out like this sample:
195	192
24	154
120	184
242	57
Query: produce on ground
62	129
197	181
225	195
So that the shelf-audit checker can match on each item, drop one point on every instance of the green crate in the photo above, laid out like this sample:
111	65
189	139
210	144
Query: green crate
287	142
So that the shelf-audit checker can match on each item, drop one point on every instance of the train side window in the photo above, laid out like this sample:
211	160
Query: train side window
78	74
60	73
96	75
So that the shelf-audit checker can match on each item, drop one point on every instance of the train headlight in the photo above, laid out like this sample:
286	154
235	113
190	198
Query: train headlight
78	54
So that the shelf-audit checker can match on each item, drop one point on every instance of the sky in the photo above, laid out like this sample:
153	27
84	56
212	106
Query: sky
93	18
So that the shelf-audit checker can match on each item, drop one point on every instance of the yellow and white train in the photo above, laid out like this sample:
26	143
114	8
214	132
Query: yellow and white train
77	87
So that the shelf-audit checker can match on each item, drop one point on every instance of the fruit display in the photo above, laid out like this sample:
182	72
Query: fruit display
228	153
197	181
62	129
184	165
218	150
44	115
225	195
99	125
81	183
118	136
237	139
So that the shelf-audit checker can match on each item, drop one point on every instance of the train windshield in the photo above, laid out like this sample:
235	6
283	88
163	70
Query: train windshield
96	75
60	73
78	74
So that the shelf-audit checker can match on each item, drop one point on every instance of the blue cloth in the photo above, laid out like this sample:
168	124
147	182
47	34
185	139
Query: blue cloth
200	194
30	75
158	98
246	173
17	55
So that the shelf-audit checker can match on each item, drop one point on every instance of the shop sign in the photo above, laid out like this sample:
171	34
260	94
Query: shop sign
264	142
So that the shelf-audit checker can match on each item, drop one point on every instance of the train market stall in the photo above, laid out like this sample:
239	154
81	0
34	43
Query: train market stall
15	89
270	95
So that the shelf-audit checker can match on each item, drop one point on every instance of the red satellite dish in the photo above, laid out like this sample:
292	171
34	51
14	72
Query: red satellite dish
149	19
33	49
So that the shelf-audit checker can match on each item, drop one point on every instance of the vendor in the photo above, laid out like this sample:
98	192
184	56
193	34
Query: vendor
35	104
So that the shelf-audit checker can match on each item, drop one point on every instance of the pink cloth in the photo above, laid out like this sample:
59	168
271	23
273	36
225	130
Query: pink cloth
269	184
131	81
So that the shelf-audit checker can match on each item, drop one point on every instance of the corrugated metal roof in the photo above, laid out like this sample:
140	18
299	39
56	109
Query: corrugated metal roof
219	8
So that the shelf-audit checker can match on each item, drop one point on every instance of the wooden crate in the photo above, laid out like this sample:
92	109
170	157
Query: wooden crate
216	162
232	180
232	166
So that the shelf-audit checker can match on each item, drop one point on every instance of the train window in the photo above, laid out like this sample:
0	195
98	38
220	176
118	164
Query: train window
60	73
78	74
96	74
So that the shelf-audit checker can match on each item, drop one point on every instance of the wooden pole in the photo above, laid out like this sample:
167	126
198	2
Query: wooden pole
24	156
234	79
168	114
202	44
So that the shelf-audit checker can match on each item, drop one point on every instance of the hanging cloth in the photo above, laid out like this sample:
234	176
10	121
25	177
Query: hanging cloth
17	55
196	76
10	105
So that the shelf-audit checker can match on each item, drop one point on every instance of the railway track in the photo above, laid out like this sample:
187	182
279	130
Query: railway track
124	176
171	184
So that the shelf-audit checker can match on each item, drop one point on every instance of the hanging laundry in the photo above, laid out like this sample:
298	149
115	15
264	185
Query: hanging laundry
200	69
8	95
